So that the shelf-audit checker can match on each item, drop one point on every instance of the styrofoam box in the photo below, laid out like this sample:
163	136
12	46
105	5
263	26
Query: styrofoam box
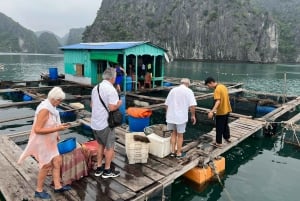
137	152
159	146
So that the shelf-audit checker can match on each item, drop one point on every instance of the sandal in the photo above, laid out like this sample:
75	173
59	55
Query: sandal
217	145
182	155
62	189
228	140
42	195
172	155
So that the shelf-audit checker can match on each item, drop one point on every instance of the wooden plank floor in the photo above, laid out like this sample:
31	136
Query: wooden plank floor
136	181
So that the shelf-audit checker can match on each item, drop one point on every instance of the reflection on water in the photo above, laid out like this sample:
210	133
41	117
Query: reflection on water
263	77
28	67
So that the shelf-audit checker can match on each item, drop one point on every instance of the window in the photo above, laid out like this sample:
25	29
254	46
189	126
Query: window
80	69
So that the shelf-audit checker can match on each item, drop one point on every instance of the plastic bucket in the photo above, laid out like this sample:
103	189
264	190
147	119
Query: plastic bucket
66	145
53	74
138	124
128	83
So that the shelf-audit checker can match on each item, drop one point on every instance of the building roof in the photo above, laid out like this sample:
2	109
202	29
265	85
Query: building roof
106	45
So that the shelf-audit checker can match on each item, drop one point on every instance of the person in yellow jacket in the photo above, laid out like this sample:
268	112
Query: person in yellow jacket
221	110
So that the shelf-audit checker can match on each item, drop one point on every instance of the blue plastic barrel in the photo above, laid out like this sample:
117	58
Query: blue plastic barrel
264	109
138	124
123	108
128	83
53	74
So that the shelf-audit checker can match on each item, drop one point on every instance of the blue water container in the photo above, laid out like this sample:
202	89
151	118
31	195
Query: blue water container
53	73
123	108
128	83
138	124
27	97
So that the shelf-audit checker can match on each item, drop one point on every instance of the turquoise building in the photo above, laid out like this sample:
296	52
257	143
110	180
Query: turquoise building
85	62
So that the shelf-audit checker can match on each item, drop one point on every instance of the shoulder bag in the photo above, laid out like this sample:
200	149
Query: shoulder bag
114	117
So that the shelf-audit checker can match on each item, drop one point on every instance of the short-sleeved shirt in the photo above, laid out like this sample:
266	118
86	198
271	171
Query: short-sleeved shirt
178	101
109	95
221	93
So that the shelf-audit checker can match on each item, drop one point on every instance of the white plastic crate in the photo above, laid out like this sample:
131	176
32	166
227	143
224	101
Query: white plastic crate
137	152
159	146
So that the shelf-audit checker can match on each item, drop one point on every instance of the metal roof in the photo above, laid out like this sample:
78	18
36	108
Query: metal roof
105	45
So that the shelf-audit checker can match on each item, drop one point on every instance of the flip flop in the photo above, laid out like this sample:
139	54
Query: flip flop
183	154
228	140
172	154
217	145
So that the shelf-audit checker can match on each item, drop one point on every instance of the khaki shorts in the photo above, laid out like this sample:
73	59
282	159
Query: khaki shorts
180	128
106	137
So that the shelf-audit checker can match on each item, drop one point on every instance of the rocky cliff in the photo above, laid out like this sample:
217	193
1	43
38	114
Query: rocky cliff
229	30
15	38
287	16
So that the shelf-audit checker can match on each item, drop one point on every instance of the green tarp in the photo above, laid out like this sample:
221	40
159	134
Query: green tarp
104	56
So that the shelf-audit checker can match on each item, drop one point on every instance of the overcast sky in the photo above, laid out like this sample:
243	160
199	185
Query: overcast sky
57	16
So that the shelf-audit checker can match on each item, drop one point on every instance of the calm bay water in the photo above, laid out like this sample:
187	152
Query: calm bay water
260	168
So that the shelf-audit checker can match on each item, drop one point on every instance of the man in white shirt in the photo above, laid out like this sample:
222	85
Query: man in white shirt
104	135
179	101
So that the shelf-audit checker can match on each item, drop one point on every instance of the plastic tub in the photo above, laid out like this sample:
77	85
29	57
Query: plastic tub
138	124
66	145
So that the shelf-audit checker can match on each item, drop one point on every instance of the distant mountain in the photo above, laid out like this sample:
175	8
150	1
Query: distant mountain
75	36
16	38
38	33
48	44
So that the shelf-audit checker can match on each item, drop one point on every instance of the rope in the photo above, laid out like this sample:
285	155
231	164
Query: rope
213	167
290	126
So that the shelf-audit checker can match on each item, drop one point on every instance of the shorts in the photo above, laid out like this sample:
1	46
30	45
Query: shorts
119	80
106	137
180	128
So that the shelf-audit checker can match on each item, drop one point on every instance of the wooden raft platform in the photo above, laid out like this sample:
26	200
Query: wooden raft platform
137	181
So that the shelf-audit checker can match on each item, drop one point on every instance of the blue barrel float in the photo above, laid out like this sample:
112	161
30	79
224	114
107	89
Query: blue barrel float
128	83
167	84
27	97
53	74
262	110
